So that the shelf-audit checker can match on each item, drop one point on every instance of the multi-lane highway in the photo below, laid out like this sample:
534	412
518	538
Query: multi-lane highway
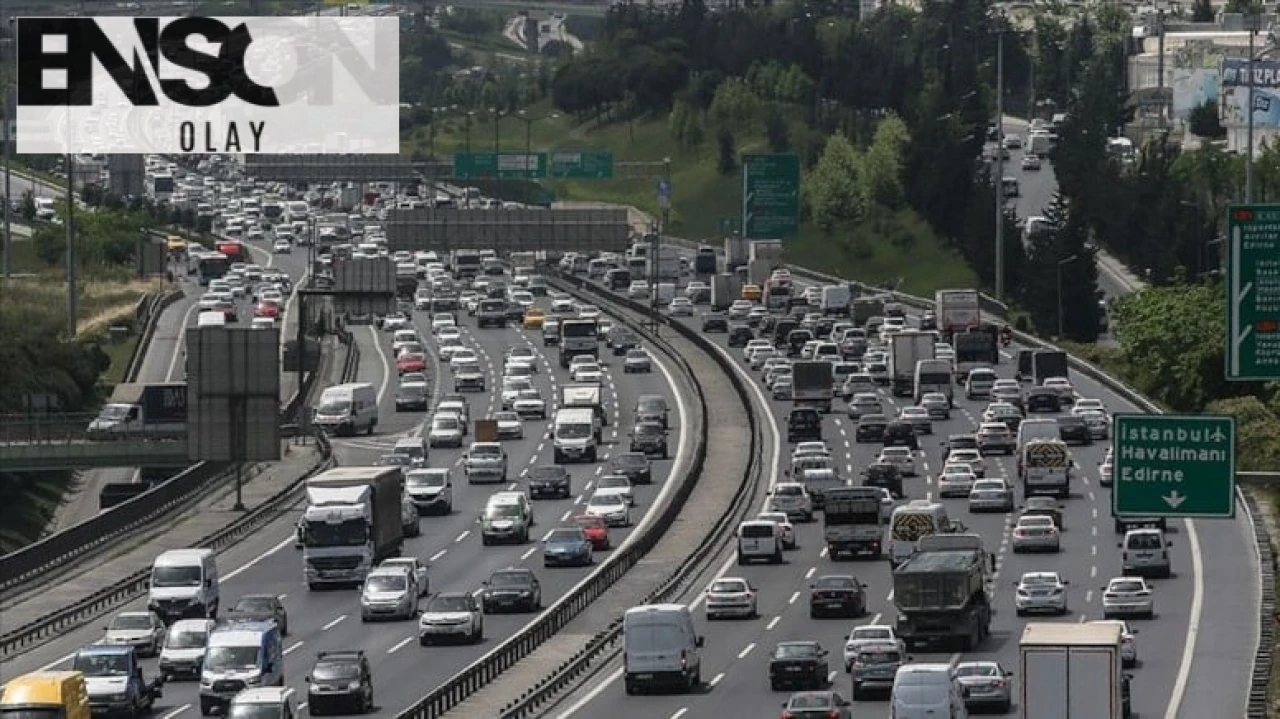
1195	655
329	620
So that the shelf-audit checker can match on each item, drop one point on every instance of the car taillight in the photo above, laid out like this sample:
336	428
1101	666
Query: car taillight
787	715
997	683
833	715
1018	533
684	659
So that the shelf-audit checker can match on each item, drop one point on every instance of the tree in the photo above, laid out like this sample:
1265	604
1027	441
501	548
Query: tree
832	189
1060	260
1202	11
728	157
735	105
881	176
776	131
1203	121
28	208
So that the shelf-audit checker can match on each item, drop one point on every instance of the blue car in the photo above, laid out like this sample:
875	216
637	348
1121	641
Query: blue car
566	547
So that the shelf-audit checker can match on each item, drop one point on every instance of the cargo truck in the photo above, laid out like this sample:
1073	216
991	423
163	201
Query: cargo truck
725	289
759	272
1071	670
586	396
769	251
578	337
812	385
851	523
1048	363
663	265
704	262
940	592
406	279
835	300
864	308
143	410
956	311
977	347
906	349
736	253
351	523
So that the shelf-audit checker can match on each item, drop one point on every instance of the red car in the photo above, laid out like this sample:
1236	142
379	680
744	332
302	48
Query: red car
411	362
267	309
595	529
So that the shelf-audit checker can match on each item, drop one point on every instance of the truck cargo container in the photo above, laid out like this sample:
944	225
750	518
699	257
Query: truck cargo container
977	347
1048	363
864	308
940	592
704	262
812	385
585	396
725	289
736	253
1071	671
956	311
906	350
851	523
351	523
769	251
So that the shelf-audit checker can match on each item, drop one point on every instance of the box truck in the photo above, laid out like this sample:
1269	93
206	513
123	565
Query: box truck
351	523
1071	671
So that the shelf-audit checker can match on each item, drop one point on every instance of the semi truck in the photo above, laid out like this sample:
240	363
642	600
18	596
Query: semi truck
351	523
586	396
736	253
704	262
725	289
940	592
976	347
1048	363
578	337
956	311
759	271
906	349
1045	468
812	385
143	410
1071	670
851	523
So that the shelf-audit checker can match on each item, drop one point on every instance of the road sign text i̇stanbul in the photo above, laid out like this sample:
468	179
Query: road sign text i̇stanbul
1173	466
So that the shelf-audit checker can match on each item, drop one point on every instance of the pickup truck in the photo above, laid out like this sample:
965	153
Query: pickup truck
115	680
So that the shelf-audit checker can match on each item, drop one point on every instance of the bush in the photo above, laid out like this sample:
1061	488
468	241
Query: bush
1257	432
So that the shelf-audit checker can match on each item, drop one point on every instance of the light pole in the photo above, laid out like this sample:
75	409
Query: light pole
1062	262
523	116
999	178
497	159
1248	158
466	171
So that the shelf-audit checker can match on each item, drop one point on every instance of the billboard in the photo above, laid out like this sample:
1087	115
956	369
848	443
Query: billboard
1235	93
234	394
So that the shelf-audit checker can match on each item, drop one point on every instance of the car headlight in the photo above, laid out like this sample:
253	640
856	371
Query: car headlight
353	686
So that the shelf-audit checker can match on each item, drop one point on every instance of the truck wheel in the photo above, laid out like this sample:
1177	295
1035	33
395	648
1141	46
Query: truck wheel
206	708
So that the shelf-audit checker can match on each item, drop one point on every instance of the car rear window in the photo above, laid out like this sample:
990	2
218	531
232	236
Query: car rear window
758	531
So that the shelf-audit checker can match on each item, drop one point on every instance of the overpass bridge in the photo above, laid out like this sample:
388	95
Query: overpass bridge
62	441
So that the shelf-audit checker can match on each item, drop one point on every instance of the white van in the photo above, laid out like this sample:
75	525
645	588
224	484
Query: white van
264	703
759	540
211	317
927	691
911	521
347	408
661	648
247	653
573	435
1031	429
184	585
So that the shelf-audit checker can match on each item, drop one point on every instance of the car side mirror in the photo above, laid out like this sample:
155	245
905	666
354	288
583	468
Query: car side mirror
307	679
1120	544
700	642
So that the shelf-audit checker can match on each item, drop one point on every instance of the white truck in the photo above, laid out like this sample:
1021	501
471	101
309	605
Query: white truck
906	350
351	523
769	251
835	300
957	311
851	521
1040	143
578	337
1071	670
725	290
663	265
143	410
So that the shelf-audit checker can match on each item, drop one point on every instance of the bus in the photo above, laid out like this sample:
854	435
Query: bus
211	266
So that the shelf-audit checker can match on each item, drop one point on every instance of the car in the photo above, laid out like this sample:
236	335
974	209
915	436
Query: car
680	307
650	439
840	595
740	335
267	309
996	437
451	616
514	589
389	593
144	631
441	320
567	546
523	356
1097	422
869	635
261	607
1040	592
340	682
586	372
396	321
413	392
616	484
446	430
873	665
791	499
870	428
857	383
985	685
1073	429
1106	471
549	481
1061	385
715	322
529	404
1013	141
826	704
533	318
638	290
611	507
956	480
1128	597
971	457
784	523
990	495
781	389
801	664
509	425
1030	162
1128	644
281	247
417	570
1035	534
632	465
595	528
1088	404
637	360
902	458
935	404
731	597
411	362
918	418
1044	507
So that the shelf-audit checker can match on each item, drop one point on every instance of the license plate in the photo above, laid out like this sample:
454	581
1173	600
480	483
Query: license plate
644	676
794	669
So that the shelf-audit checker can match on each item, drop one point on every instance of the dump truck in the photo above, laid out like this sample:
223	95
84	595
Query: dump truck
116	680
851	522
940	592
1071	670
351	523
1044	465
143	410
956	311
905	350
812	385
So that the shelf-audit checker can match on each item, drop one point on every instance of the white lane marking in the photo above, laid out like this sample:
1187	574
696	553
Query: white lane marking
528	553
772	623
465	533
293	647
281	596
399	645
1193	621
1088	596
680	712
182	339
176	712
746	650
333	624
382	359
437	555
812	571
1093	571
794	597
302	706
565	517
716	679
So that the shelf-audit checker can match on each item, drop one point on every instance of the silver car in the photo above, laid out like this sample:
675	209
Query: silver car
637	360
1035	533
1128	645
987	685
141	630
388	593
731	597
791	499
990	495
936	405
1040	592
446	431
864	403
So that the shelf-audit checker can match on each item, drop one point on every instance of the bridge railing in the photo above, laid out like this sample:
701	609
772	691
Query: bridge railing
74	427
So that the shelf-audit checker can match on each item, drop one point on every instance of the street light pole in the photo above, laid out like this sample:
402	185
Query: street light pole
1248	158
1062	262
1000	165
523	115
466	172
497	170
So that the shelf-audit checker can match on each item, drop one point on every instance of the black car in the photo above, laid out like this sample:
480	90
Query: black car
340	683
900	434
549	481
715	322
632	465
1073	430
870	428
740	335
840	595
623	342
804	424
885	476
802	665
796	340
649	439
514	589
261	607
1043	400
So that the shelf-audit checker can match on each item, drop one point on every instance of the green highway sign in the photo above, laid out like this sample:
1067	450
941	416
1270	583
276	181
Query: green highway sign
1173	466
770	196
1253	292
582	165
499	166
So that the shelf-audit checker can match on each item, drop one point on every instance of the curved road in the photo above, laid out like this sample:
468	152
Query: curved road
329	620
1185	671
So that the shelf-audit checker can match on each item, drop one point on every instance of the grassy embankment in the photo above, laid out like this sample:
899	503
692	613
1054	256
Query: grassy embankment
903	247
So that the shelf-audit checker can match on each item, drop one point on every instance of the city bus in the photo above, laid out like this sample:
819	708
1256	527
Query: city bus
211	266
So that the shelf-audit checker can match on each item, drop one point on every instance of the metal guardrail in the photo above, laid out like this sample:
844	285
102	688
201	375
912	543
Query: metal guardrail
604	644
156	304
487	668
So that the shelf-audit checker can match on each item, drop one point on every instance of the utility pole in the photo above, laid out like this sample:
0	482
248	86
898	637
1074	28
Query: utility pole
999	178
1160	63
72	299
1248	155
10	116
656	251
497	170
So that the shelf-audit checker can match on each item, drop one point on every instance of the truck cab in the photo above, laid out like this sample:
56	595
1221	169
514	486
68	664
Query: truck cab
115	681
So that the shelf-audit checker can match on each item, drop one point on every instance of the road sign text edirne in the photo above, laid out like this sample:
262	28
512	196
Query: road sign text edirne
1173	466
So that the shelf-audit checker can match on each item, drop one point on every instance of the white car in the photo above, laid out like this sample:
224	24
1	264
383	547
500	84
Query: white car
971	457
530	405
422	299
809	449
740	309
588	312
760	355
1128	597
784	524
638	290
562	305
281	247
451	615
956	480
446	430
441	320
617	484
449	334
587	372
522	355
511	389
612	508
680	307
1128	645
869	634
754	346
887	504
141	630
902	458
509	425
1040	592
402	338
1062	386
463	356
1088	404
731	597
449	347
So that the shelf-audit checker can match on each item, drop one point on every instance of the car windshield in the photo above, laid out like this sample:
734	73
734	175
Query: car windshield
101	665
189	639
788	491
1144	542
872	633
637	354
468	368
507	417
509	579
486	451
646	429
447	423
977	670
333	671
386	583
1126	586
573	431
496	511
795	651
564	535
629	460
1031	580
426	479
255	604
835	583
226	658
613	483
334	407
130	622
175	576
809	701
725	586
546	473
448	604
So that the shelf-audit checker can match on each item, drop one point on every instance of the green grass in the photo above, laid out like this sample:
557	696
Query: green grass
119	354
887	248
